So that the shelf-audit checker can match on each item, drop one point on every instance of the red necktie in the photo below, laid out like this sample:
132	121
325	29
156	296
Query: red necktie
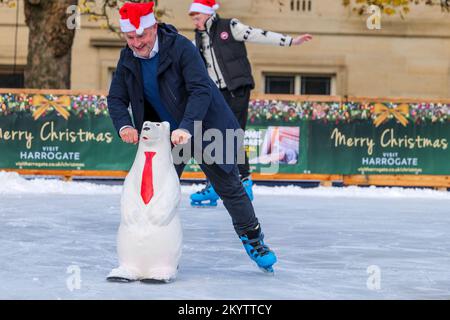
147	178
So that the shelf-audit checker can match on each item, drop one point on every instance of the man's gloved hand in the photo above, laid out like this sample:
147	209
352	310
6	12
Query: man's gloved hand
129	135
180	136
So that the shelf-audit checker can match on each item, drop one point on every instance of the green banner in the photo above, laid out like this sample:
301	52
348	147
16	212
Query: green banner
362	148
76	135
74	132
52	142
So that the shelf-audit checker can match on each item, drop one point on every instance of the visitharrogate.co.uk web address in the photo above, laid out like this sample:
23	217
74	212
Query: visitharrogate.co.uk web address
50	164
414	170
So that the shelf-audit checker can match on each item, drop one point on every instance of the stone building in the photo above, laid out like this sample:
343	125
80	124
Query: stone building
406	58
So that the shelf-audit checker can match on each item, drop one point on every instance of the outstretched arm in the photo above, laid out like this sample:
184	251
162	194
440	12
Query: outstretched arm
242	32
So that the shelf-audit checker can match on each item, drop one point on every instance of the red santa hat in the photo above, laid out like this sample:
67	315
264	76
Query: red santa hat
136	17
204	6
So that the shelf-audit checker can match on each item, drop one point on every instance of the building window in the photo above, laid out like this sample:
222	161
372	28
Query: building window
12	80
301	5
111	73
280	84
316	85
299	84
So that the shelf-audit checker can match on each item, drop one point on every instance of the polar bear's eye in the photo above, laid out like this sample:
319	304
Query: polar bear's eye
158	125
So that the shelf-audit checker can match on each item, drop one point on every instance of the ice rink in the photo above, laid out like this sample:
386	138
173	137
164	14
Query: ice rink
336	243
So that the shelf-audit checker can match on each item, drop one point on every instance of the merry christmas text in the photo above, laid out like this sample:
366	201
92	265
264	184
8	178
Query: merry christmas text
388	139
48	133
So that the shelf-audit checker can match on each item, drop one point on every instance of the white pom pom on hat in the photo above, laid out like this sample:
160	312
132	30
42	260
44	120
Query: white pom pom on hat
140	30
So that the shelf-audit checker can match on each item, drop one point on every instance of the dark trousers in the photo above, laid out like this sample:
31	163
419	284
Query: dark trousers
230	189
238	100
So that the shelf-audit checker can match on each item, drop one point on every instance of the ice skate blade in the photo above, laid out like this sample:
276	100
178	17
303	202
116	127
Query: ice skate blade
269	271
119	280
196	204
155	281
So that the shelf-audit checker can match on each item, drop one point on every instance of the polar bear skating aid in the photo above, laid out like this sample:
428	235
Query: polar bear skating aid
150	236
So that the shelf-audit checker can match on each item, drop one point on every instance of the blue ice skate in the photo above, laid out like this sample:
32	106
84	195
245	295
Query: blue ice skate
206	197
248	185
260	253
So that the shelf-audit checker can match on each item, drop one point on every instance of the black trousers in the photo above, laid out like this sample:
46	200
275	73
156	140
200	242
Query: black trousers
238	100
230	189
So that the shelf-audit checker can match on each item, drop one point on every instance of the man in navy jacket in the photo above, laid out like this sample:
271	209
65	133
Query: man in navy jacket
163	77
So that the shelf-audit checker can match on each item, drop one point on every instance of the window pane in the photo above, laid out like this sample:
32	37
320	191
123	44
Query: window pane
316	85
11	80
280	84
111	74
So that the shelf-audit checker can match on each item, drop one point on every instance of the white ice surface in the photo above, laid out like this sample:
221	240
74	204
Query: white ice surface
325	239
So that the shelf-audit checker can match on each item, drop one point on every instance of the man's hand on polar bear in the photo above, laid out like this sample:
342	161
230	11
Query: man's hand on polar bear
180	136
130	135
